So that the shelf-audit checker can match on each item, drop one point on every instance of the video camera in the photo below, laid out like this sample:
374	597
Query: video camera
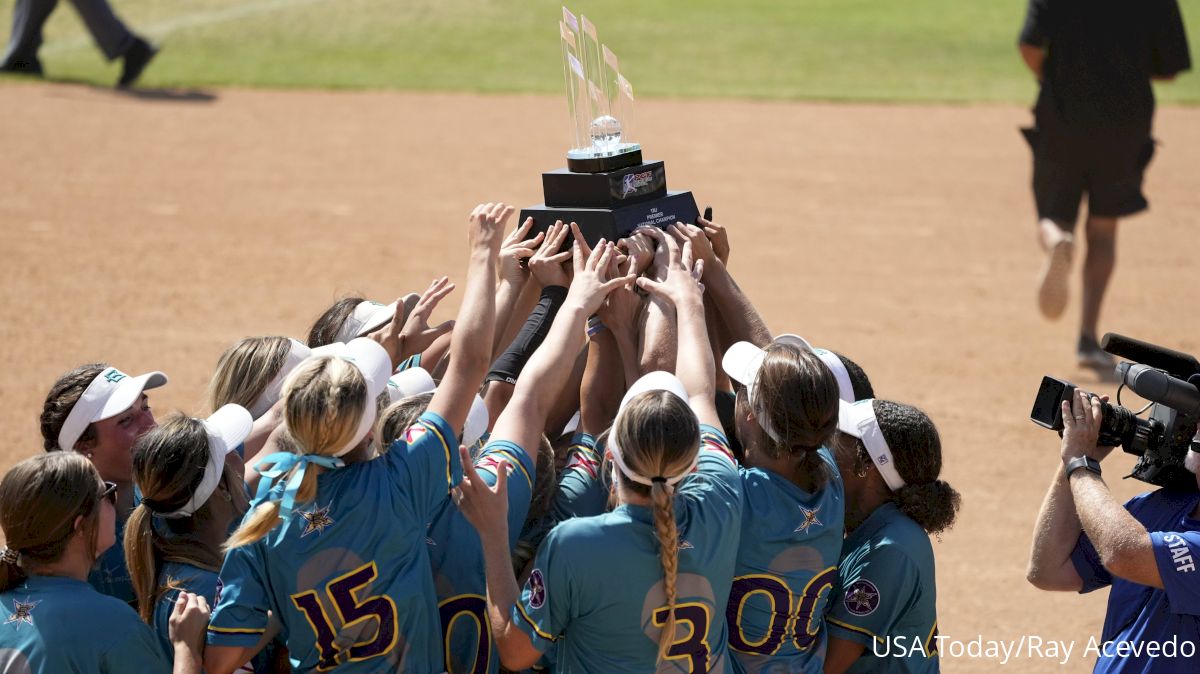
1167	378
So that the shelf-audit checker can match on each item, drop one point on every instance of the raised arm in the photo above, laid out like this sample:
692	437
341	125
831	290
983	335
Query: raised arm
682	288
548	369
471	345
741	320
1054	538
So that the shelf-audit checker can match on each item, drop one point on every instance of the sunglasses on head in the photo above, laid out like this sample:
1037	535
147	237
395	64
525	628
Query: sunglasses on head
110	492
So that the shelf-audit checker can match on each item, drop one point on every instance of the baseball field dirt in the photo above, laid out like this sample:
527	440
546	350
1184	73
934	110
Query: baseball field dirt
152	231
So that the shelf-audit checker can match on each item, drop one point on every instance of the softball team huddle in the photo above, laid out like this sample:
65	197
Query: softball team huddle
562	479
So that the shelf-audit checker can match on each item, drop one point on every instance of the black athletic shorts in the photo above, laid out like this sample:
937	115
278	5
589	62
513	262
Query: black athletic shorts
1107	166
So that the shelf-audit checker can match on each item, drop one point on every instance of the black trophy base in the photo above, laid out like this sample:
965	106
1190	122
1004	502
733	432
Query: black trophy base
601	164
616	223
608	189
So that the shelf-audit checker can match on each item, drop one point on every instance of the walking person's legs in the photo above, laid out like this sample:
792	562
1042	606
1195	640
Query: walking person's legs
1098	266
28	18
115	39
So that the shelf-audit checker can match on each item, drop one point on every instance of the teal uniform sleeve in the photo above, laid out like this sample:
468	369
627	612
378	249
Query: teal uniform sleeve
521	478
425	463
542	611
582	491
239	617
137	652
875	591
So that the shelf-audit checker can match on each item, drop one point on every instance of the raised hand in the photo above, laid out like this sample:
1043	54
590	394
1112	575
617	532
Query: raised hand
702	248
487	224
516	250
719	237
680	279
188	622
639	250
417	335
485	507
1082	417
592	283
546	264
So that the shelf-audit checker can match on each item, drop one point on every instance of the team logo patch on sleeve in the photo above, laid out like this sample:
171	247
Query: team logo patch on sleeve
217	594
536	586
862	598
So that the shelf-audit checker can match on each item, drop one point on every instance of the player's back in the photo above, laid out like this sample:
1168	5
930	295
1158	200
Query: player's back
349	576
787	565
603	585
887	594
59	624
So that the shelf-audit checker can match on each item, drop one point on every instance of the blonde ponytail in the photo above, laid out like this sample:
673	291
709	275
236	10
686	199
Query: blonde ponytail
668	553
143	561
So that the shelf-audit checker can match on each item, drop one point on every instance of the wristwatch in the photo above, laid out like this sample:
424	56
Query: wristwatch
1085	462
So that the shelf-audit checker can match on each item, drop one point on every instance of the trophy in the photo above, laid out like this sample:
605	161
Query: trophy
606	187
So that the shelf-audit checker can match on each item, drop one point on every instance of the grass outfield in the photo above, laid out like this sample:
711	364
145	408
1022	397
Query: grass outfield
912	50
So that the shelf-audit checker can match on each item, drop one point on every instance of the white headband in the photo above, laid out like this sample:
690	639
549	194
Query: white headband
654	381
373	361
367	316
858	419
298	352
109	394
416	381
743	360
838	368
227	428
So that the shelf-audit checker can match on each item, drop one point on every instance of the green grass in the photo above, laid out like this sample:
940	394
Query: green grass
877	50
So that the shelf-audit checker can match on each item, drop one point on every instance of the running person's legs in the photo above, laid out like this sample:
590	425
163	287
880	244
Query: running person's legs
1097	270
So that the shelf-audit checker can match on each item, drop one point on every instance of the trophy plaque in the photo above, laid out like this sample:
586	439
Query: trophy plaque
606	186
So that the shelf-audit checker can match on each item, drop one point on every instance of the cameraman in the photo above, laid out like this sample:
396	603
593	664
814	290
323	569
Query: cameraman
1147	551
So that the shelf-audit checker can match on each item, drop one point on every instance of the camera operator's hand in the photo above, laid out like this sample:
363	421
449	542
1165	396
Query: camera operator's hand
1081	427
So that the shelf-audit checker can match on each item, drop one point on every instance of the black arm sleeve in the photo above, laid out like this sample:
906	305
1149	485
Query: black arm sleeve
510	363
1168	42
1035	32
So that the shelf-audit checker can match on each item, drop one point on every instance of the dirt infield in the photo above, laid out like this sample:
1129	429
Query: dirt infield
152	232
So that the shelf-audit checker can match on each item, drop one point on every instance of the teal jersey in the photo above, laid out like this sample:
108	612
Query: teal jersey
786	570
582	488
55	624
180	577
110	575
886	598
596	590
456	556
349	580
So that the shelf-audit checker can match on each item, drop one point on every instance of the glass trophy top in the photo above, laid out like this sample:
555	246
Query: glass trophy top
599	98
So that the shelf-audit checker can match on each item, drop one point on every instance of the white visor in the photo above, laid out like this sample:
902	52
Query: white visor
298	352
367	316
411	382
742	362
373	361
109	394
477	423
654	381
858	419
227	428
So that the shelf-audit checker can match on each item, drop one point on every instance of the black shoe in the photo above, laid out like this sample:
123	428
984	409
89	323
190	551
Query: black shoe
137	57
22	66
1090	355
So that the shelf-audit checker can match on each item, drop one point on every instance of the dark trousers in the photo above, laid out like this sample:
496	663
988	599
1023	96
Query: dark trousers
107	29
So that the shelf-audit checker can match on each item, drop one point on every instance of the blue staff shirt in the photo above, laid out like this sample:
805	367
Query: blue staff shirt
1141	617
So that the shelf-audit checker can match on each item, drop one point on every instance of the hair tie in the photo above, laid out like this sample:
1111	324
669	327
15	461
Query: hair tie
9	556
285	494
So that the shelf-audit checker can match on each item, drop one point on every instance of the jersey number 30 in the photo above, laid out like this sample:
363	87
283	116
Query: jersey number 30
351	612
